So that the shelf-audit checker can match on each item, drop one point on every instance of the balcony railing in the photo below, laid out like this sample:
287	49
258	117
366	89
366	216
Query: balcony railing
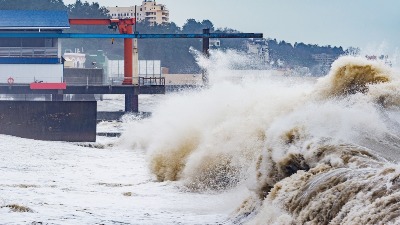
28	52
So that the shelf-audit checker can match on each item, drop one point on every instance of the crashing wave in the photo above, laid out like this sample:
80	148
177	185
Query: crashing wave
311	153
332	174
350	75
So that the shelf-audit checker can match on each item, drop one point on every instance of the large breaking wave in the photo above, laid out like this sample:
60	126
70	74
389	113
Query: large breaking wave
311	151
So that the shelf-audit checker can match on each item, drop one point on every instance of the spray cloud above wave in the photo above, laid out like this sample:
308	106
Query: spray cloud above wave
306	148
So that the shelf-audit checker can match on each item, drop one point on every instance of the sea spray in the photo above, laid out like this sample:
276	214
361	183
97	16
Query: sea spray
315	153
194	136
343	180
209	138
341	170
350	75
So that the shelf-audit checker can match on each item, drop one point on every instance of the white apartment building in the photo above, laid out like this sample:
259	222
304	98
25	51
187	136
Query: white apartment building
75	59
148	11
258	47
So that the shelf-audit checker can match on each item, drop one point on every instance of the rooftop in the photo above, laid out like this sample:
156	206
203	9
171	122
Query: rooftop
29	19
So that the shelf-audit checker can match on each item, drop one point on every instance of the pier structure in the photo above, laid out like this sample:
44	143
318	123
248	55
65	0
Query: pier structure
42	30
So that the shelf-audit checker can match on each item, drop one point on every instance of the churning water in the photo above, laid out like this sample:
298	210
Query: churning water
310	151
253	148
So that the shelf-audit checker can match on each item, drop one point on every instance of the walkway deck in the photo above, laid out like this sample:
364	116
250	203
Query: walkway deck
85	89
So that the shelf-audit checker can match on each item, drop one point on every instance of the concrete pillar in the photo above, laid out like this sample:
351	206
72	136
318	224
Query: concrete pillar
206	53
128	55
135	66
57	97
131	103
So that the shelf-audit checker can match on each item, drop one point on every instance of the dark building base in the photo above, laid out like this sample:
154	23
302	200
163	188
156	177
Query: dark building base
87	76
49	120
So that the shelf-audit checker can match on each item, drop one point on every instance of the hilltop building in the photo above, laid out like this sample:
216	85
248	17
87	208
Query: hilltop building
382	58
258	47
149	11
324	59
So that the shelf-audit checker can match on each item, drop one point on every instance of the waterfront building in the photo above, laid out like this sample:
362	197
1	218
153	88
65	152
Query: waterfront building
149	11
146	68
26	60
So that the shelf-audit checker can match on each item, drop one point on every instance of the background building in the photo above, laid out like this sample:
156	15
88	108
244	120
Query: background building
258	47
74	59
149	11
214	43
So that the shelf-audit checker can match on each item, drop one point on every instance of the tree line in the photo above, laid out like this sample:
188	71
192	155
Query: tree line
173	53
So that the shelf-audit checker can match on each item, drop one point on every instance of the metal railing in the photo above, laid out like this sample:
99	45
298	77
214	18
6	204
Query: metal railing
143	81
28	52
16	80
148	81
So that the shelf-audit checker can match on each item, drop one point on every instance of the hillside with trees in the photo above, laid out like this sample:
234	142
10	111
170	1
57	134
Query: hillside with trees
173	53
302	55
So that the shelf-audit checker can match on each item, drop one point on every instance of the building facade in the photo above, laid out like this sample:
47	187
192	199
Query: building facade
74	59
214	43
149	11
26	60
258	47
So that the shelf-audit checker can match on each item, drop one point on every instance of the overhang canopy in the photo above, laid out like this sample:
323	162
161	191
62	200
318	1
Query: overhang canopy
32	20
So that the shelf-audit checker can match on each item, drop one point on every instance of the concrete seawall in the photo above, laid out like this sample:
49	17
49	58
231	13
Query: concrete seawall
46	120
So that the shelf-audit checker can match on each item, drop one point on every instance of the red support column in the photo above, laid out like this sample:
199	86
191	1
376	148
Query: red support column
128	57
125	26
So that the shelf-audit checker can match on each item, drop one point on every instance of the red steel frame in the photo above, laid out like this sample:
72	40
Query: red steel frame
125	26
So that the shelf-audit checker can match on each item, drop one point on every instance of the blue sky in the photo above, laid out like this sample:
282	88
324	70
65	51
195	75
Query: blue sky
358	23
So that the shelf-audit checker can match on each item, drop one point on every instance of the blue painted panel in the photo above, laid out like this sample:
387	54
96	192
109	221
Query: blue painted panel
18	60
30	18
81	35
